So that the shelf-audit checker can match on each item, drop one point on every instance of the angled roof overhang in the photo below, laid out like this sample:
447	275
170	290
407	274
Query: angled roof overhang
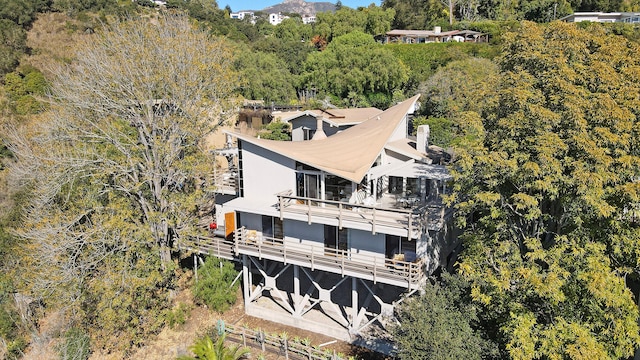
349	153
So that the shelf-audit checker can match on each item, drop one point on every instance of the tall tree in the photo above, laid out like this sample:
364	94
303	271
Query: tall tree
117	168
354	63
441	324
547	180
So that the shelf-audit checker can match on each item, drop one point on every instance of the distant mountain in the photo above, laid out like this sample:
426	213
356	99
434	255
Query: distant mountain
300	7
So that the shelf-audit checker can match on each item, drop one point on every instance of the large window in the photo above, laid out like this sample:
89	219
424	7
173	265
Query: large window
400	245
272	227
336	188
308	185
413	187
335	239
395	185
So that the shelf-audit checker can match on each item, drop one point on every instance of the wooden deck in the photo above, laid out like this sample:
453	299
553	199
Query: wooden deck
374	268
410	220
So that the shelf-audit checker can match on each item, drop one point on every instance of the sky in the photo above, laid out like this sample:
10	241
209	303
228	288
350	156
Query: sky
237	5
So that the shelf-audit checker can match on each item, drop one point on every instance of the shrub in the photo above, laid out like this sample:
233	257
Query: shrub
213	287
177	316
76	345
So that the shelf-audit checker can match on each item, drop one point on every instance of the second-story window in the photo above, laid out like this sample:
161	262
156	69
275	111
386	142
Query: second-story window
395	185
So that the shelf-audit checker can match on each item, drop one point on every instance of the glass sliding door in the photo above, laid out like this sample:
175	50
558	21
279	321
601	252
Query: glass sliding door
308	185
336	241
336	188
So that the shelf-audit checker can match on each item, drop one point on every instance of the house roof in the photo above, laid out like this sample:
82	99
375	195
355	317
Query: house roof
335	117
421	33
349	153
411	169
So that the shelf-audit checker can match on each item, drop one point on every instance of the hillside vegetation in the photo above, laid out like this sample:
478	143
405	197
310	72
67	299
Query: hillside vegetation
105	106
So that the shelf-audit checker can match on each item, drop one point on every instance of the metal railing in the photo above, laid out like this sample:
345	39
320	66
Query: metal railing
343	262
410	220
226	182
216	246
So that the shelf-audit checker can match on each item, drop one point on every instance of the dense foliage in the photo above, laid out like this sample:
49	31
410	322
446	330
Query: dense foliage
546	184
443	324
115	172
412	14
215	287
544	130
354	65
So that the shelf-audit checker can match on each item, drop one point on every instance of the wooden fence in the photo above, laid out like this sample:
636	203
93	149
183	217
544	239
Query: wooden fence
283	345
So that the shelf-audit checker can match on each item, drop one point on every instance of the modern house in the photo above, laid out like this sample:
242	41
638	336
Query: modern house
603	17
308	19
244	14
305	124
333	233
275	19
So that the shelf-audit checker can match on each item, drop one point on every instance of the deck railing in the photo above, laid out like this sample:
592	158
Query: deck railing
410	220
226	182
216	246
343	262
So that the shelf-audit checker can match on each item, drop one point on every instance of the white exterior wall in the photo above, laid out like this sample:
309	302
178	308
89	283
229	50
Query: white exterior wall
299	233
400	132
265	173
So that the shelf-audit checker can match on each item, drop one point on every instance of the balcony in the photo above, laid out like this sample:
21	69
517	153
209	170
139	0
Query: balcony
406	216
226	183
377	269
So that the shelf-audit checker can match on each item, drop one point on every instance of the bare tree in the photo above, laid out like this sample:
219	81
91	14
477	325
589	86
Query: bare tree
117	166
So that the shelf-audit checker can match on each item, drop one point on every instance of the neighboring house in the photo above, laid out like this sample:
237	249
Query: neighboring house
334	233
275	19
305	124
624	17
308	19
242	14
430	36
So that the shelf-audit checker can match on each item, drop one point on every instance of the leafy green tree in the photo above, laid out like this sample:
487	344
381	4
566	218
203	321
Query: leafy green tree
424	60
371	20
20	12
265	77
276	130
354	63
23	87
441	130
546	181
459	86
13	45
441	323
116	170
214	286
416	14
292	29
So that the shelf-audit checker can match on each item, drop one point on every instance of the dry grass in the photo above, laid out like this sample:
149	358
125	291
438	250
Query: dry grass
52	40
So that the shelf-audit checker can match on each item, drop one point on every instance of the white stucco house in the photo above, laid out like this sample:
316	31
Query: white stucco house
333	233
603	17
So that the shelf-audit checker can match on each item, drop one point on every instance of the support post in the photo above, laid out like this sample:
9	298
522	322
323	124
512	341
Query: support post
246	269
354	304
296	290
195	266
